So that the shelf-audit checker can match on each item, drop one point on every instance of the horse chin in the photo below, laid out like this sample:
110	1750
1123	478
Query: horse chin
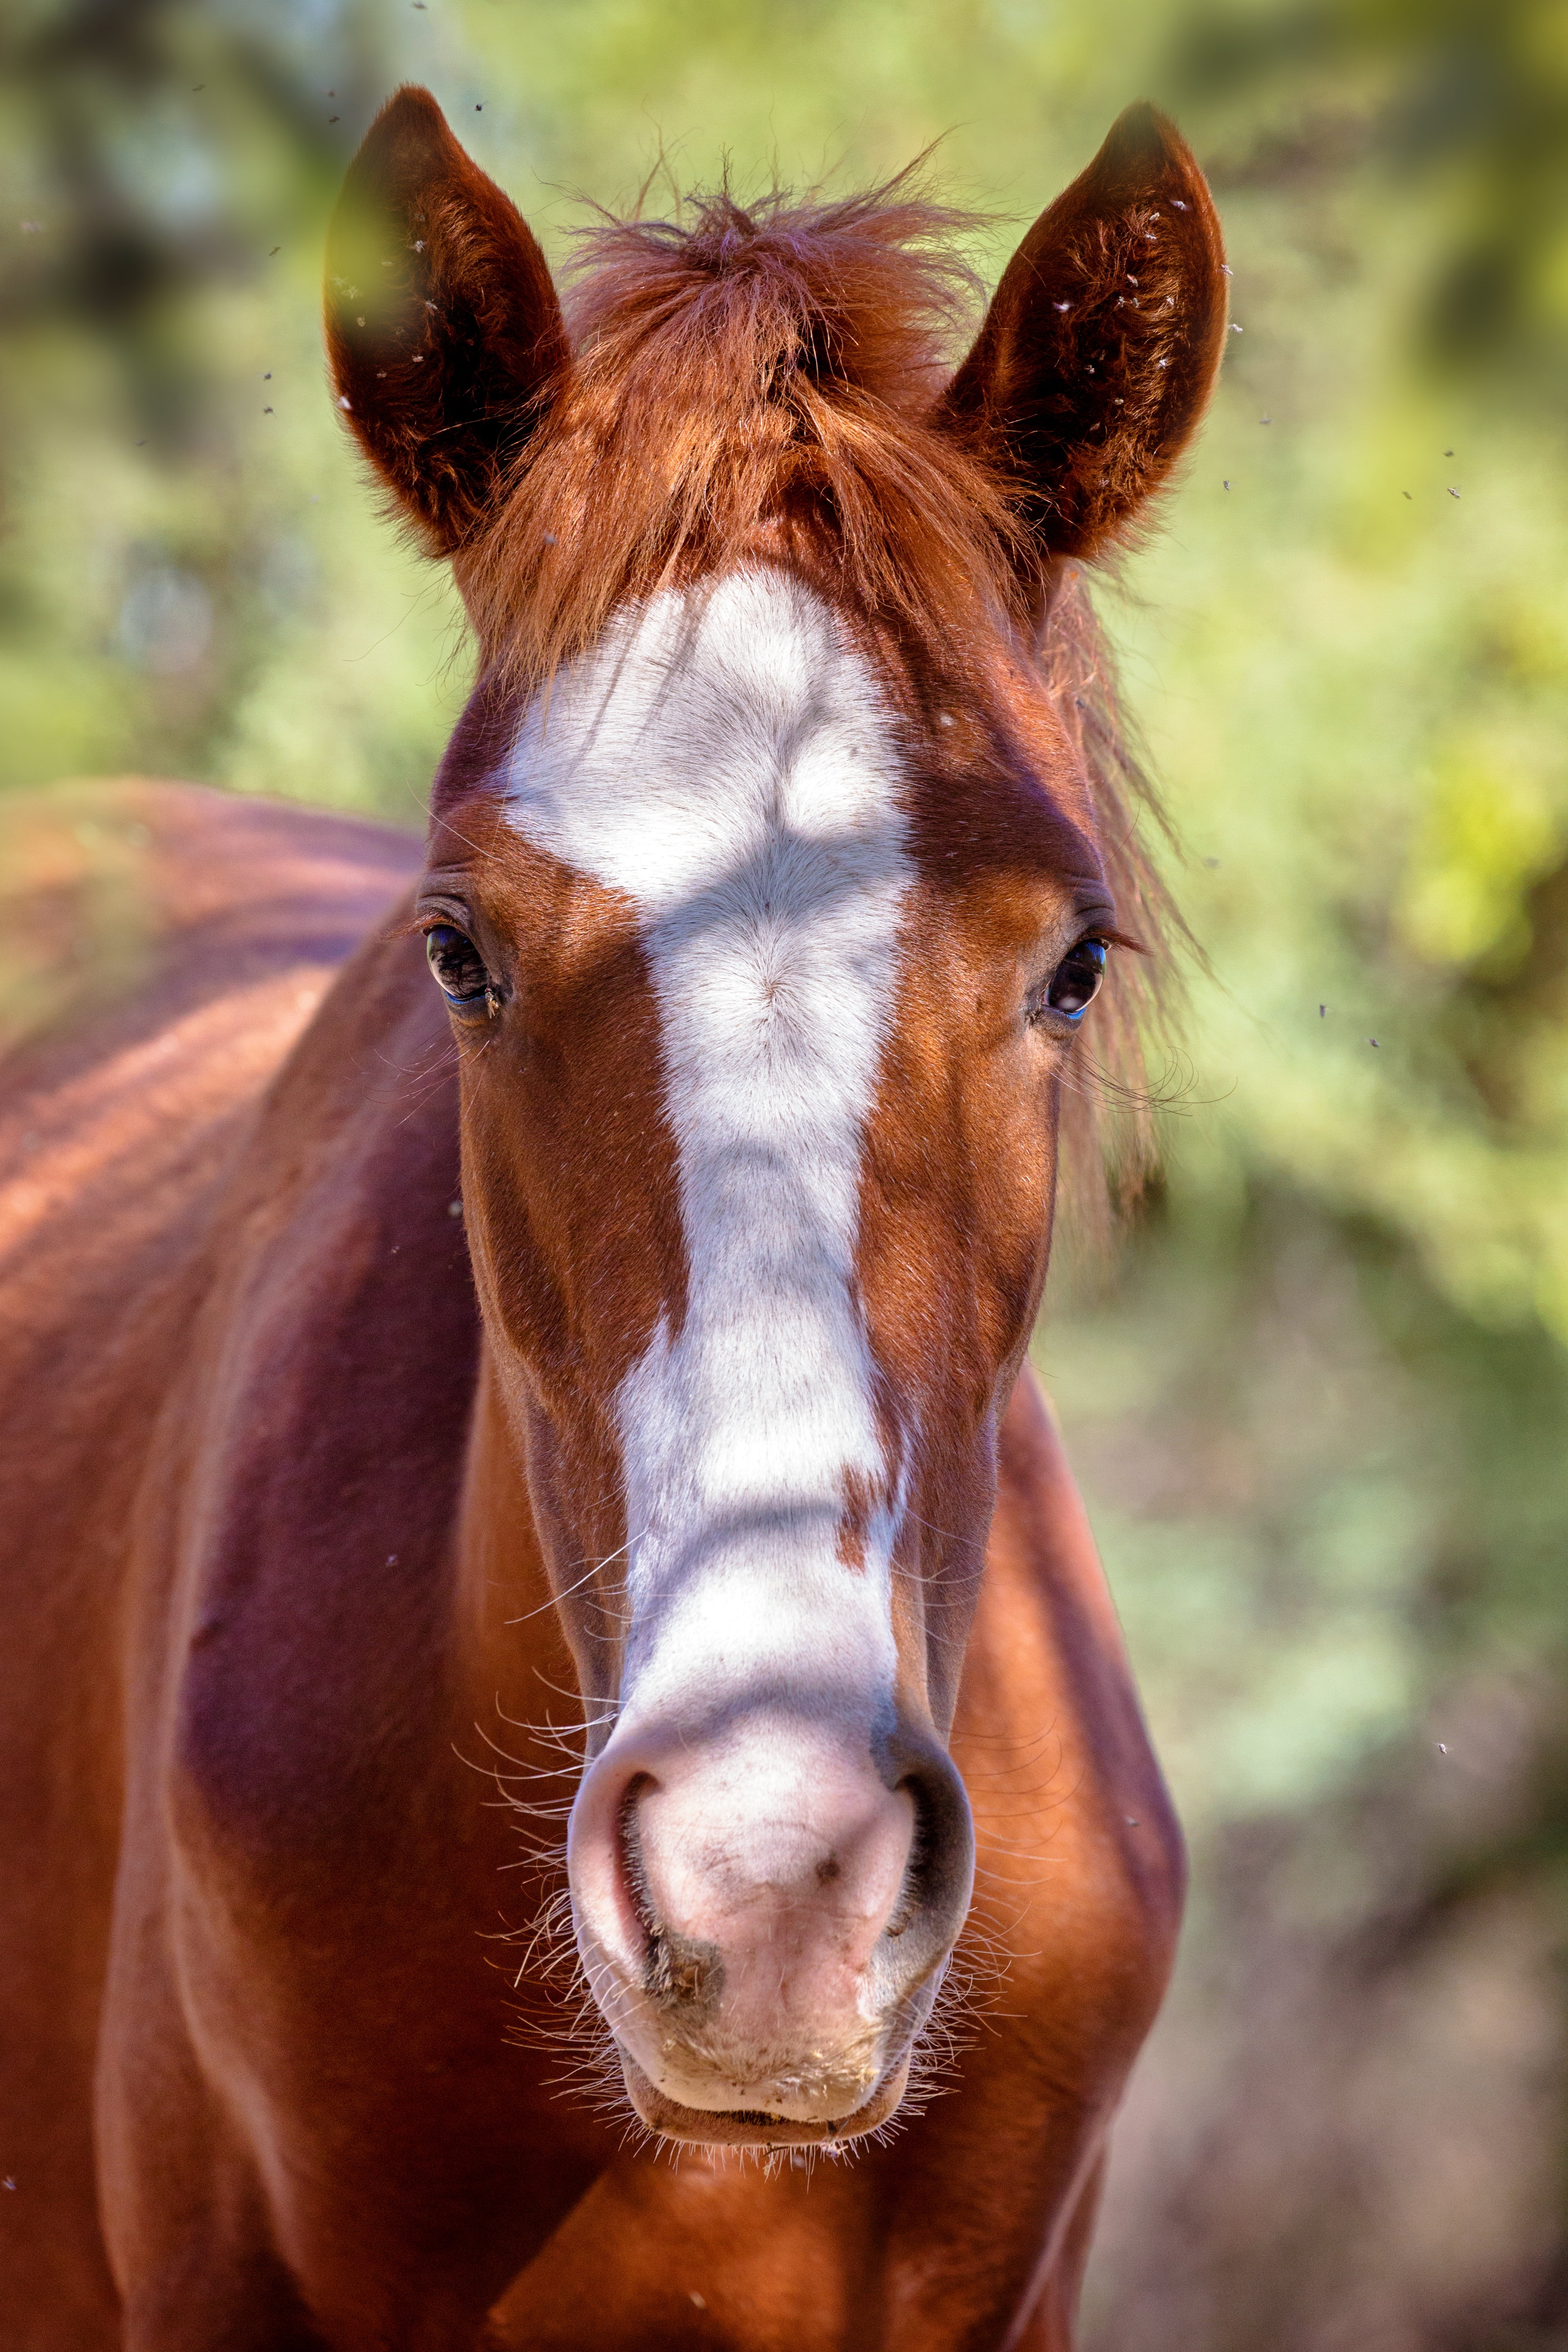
754	2127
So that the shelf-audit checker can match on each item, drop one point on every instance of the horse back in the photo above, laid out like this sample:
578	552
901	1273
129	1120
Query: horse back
166	947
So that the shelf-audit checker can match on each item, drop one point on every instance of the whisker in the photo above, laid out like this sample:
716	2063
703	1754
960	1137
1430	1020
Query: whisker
587	1577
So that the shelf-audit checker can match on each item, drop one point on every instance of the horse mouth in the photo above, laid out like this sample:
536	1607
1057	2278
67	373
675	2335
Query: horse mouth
744	2127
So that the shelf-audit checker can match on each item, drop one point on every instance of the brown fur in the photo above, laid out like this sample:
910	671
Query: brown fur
271	1590
297	1530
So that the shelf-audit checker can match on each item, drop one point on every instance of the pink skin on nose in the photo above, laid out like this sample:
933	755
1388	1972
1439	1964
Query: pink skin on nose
730	1899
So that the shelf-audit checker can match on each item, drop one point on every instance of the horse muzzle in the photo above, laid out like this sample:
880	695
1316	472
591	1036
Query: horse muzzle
764	1917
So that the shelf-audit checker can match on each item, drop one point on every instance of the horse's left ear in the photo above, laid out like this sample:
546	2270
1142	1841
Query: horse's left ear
443	328
1102	341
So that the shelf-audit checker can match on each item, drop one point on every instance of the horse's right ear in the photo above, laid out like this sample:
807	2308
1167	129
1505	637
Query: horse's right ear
443	329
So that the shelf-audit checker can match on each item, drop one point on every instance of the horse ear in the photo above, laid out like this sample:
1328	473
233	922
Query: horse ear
444	332
1102	341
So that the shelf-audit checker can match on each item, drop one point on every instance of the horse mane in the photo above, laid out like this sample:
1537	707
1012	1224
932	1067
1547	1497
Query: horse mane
1109	1108
759	382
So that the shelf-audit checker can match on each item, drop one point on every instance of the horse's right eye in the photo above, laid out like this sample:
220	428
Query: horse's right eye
458	966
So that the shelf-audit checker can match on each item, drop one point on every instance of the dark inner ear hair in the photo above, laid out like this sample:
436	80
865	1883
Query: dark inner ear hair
444	332
1099	350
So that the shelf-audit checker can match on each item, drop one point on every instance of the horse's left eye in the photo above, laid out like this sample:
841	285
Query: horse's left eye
458	965
1077	978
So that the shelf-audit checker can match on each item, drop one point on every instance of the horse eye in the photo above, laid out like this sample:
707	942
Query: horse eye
1077	978
459	967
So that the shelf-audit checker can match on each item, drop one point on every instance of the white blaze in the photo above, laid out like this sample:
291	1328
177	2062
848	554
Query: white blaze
725	760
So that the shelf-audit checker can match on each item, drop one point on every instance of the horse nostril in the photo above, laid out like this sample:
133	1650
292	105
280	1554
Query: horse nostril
629	1855
912	1890
934	1890
679	1972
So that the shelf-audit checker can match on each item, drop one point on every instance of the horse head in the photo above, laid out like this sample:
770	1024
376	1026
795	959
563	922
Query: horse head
770	891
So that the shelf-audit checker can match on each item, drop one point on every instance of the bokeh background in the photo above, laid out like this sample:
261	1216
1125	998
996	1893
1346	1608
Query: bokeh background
1319	1397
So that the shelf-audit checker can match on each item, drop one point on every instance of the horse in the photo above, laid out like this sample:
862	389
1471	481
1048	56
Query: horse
570	1775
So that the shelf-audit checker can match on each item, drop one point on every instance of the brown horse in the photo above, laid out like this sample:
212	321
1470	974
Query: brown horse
620	1333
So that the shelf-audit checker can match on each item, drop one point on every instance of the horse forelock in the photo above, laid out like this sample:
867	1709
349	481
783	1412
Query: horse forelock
745	383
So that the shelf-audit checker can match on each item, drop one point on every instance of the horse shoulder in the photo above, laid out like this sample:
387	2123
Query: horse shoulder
164	948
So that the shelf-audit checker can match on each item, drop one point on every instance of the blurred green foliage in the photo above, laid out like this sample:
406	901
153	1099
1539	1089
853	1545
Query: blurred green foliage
1319	1402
